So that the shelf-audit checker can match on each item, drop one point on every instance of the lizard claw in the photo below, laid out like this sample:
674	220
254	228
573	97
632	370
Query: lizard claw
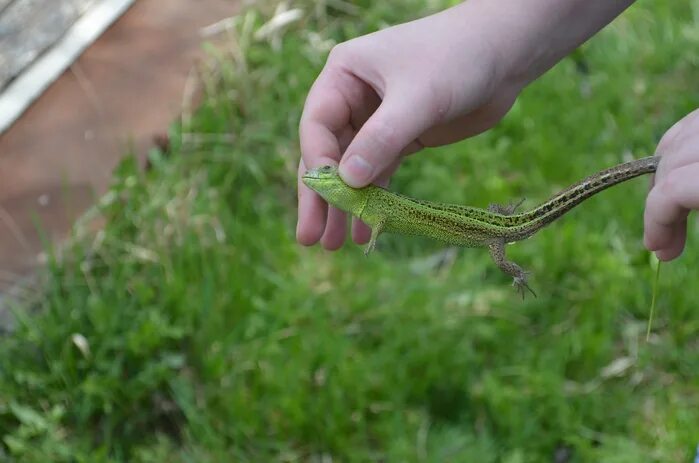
520	284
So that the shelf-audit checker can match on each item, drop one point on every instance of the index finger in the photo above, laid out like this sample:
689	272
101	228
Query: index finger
325	114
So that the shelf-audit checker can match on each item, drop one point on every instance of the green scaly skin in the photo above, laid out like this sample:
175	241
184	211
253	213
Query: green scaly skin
388	212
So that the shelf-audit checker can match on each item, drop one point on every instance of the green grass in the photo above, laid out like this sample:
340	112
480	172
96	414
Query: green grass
192	328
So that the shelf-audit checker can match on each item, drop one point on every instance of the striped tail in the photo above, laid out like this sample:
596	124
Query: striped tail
579	192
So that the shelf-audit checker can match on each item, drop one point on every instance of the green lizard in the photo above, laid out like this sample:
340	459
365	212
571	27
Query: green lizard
388	212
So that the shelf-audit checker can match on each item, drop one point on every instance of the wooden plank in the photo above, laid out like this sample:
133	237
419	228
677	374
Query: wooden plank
3	4
29	27
26	87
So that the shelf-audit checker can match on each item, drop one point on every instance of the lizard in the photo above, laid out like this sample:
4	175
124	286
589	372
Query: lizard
493	227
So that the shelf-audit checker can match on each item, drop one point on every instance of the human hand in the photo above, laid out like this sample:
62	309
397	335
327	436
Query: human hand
429	82
388	94
674	189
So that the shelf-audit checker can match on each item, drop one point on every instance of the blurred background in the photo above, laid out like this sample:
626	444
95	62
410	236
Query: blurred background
82	82
171	316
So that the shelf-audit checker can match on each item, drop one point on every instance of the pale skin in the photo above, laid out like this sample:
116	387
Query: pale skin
450	76
674	190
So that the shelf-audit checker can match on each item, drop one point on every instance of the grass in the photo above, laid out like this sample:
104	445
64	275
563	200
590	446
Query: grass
192	328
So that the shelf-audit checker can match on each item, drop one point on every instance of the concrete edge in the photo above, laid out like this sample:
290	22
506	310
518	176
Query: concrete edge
32	82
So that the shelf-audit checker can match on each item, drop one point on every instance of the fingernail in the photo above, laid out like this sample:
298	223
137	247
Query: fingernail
356	171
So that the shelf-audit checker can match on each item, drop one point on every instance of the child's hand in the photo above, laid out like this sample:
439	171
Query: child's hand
675	189
386	95
429	82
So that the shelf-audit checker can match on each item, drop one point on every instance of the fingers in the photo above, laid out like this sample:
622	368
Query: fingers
674	190
335	229
325	115
677	244
398	121
312	212
361	232
667	206
336	224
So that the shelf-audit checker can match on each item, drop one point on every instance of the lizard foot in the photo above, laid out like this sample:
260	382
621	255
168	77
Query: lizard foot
375	232
520	284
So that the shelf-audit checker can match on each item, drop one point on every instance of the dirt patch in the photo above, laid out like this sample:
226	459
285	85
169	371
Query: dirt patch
124	90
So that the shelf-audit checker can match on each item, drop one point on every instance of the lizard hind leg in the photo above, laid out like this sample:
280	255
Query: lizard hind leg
519	275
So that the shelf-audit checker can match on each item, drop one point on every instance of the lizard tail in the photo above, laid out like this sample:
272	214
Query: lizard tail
589	186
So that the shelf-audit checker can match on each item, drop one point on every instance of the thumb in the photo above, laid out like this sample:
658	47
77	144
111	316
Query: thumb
394	125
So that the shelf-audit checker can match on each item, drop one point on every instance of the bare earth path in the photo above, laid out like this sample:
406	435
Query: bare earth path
126	88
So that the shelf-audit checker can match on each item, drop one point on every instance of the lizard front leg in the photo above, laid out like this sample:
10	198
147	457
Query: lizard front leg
375	232
518	274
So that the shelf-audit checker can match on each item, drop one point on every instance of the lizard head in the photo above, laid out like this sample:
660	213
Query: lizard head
327	183
321	175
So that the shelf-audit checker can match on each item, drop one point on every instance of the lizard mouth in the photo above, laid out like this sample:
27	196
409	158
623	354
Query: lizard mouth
310	174
311	178
320	173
